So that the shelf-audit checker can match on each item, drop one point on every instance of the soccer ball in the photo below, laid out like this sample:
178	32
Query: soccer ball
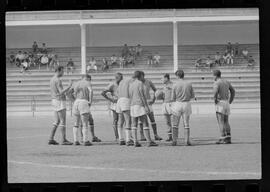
159	95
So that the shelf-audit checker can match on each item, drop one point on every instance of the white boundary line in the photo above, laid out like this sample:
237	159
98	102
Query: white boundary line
25	137
251	174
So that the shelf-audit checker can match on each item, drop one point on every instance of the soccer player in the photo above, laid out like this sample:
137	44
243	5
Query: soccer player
222	90
147	86
139	108
165	95
123	110
81	108
182	93
59	106
112	89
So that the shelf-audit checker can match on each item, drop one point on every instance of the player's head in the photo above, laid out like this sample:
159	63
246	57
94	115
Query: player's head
166	78
142	76
216	74
180	74
59	70
118	77
138	75
87	77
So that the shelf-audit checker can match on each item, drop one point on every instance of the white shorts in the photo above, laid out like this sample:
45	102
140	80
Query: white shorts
180	108
58	105
166	108
80	107
223	107
113	106
123	104
137	111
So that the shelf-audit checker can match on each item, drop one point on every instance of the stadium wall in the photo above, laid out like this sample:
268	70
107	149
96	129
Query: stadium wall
132	34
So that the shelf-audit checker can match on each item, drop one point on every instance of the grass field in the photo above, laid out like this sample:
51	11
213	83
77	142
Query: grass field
30	159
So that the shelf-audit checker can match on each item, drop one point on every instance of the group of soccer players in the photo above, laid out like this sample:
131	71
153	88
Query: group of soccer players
131	106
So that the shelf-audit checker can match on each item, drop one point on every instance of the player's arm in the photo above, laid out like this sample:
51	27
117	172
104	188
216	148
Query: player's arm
63	91
143	98
90	99
104	94
154	89
173	96
232	91
192	93
216	93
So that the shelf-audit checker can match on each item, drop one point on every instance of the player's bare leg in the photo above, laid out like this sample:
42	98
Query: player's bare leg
115	124
186	129
176	120
121	129
141	131
54	128
85	129
62	125
146	130
134	122
92	129
127	118
167	118
154	125
227	128
76	129
220	120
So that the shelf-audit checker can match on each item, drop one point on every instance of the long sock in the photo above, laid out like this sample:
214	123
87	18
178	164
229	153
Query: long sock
63	131
120	133
92	130
75	133
174	133
147	134
141	131
134	133
187	133
53	131
154	127
85	134
80	133
115	131
128	134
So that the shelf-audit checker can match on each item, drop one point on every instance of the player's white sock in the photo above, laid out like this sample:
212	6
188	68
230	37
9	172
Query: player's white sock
75	133
120	133
128	134
85	134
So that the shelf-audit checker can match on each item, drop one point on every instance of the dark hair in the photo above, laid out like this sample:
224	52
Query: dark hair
88	76
180	73
167	75
137	74
59	68
120	75
142	73
217	73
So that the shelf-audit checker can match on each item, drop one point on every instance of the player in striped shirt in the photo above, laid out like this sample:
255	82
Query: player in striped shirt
182	93
112	89
223	96
139	108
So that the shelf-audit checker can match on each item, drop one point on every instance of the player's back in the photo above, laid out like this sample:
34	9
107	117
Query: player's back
82	89
147	87
182	91
123	88
135	93
55	84
222	86
167	90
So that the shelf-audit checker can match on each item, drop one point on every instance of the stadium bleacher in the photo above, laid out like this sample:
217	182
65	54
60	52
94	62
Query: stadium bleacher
23	89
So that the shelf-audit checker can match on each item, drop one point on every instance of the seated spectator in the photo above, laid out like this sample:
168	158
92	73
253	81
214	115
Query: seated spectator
113	60
209	62
251	61
54	62
138	50
228	57
125	51
70	66
156	59
105	64
44	60
43	49
229	47
26	56
12	58
121	62
25	66
199	62
150	60
130	60
31	60
236	49
92	65
35	47
217	59
245	53
19	58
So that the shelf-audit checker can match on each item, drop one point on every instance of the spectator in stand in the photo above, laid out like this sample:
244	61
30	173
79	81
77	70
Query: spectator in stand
105	64
125	51
228	58
209	62
130	60
92	65
122	62
138	50
70	66
44	60
251	61
229	47
12	58
113	60
35	47
217	59
43	49
25	66
31	60
54	62
150	60
19	58
199	62
236	49
156	59
245	53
